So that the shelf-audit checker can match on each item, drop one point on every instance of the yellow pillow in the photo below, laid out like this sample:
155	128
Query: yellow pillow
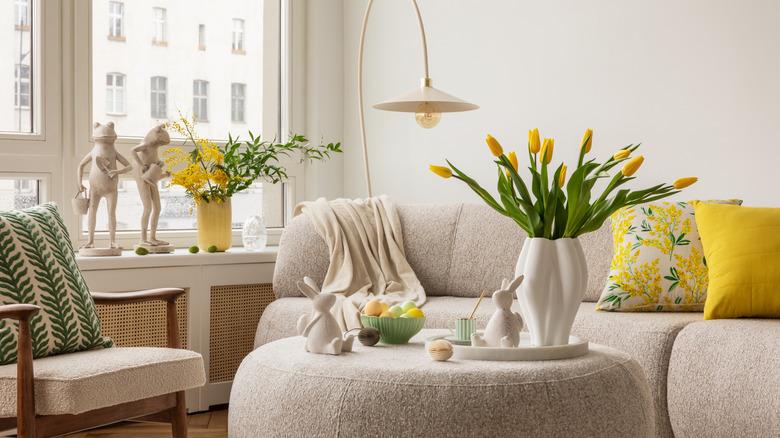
742	249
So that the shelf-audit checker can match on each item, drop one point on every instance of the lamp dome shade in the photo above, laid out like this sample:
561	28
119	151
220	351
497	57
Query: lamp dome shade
410	102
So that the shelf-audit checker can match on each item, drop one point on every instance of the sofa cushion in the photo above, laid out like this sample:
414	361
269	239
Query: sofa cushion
37	266
80	382
733	368
455	250
647	337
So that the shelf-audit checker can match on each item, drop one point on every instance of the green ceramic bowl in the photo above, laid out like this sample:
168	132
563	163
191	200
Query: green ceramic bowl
394	330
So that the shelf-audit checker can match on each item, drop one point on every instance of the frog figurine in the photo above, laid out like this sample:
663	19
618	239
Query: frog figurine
103	183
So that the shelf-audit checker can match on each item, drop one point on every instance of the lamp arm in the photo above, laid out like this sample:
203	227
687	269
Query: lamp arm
360	79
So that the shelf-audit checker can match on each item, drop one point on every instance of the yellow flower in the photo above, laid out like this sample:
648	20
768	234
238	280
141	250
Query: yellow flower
562	177
533	141
587	140
547	150
682	183
442	171
494	145
619	155
220	178
632	165
513	160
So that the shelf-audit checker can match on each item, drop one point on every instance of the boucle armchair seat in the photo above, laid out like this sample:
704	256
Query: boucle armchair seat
80	382
733	368
281	390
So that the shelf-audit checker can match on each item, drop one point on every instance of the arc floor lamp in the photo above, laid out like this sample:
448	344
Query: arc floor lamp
427	102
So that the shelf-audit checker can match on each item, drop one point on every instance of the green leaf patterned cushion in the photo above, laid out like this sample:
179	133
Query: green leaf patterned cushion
37	266
658	262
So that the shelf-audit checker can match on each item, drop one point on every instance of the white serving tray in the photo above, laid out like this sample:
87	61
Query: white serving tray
525	352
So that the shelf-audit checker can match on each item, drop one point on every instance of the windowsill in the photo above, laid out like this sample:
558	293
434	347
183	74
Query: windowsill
239	52
117	38
117	114
160	43
22	27
181	257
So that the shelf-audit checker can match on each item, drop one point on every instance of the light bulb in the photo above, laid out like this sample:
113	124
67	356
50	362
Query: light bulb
427	116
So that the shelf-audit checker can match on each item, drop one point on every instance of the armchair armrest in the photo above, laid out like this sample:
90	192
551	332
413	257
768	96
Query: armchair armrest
162	294
167	294
19	312
25	396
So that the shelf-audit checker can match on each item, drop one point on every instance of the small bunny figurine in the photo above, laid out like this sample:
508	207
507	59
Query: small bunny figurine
321	330
503	329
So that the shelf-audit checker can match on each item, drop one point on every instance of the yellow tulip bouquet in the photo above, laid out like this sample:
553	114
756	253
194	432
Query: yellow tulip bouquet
553	208
210	172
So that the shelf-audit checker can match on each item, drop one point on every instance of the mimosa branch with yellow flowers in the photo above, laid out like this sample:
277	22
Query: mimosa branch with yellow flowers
552	208
210	172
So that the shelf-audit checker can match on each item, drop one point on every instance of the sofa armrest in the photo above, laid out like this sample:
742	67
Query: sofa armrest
168	294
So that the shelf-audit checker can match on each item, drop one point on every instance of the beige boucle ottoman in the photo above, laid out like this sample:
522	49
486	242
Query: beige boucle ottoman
280	390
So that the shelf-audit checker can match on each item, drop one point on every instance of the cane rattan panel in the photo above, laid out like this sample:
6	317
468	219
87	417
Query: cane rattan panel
235	311
141	324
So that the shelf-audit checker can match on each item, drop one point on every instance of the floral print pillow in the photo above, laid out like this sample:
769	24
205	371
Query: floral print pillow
658	262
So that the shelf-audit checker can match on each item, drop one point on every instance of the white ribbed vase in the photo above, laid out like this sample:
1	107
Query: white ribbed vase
556	276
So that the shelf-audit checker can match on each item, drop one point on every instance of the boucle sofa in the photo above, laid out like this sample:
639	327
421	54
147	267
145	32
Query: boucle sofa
708	378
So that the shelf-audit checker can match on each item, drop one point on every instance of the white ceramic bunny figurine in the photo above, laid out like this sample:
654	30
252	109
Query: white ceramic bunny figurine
503	329
321	330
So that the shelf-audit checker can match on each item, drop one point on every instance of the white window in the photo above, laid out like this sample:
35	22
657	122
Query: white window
115	93
22	86
200	100
19	192
237	93
238	35
160	25
201	37
116	18
159	97
22	14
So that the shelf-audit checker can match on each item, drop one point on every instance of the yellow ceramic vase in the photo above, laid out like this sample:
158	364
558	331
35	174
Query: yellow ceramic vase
215	224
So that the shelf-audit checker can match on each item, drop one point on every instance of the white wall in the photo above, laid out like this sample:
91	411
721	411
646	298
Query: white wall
696	81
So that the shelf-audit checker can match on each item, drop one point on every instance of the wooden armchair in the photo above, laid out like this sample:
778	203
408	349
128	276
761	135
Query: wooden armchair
132	378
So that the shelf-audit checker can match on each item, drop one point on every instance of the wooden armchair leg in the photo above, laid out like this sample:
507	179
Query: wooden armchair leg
179	416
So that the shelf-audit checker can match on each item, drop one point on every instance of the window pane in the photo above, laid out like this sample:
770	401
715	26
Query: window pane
177	212
19	192
16	61
183	25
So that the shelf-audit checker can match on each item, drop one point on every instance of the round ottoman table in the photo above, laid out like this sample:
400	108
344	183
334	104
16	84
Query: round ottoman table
280	390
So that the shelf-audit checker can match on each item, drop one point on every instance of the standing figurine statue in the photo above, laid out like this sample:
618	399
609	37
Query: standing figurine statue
503	329
103	183
149	171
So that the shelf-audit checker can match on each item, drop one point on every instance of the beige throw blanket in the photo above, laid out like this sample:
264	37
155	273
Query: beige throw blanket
367	260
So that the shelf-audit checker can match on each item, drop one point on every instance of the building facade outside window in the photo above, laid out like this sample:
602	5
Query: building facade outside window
201	37
22	14
116	18
200	100
159	97
238	35
115	93
22	90
237	97
160	26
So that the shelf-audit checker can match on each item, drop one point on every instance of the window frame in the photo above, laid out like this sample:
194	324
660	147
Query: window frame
160	26
158	95
275	87
200	100
238	40
237	102
112	90
116	20
19	82
22	21
201	36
